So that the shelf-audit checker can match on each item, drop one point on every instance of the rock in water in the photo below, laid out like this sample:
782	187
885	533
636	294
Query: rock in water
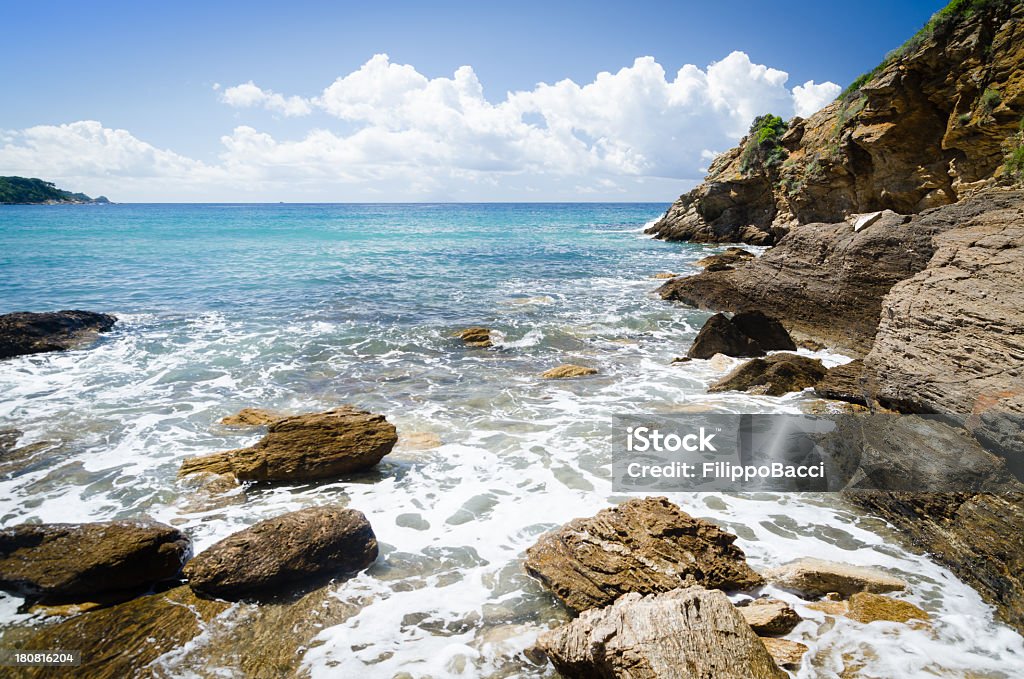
730	257
679	634
786	653
306	447
867	607
769	616
775	375
251	417
816	577
288	552
74	562
645	545
844	383
122	641
476	336
746	334
33	333
566	371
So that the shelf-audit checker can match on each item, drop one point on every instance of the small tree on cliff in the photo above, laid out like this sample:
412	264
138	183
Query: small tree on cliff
763	149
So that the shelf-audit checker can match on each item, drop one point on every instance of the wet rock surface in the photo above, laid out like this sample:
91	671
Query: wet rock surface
647	545
813	578
568	371
683	633
769	617
743	335
66	562
844	383
306	448
775	375
251	417
476	336
867	607
283	554
24	333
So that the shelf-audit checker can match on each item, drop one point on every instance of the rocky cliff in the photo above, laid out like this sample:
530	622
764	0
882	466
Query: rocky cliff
935	121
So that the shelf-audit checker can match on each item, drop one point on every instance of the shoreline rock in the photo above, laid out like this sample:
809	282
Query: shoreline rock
251	417
23	333
844	383
568	371
477	336
775	375
746	334
769	617
810	577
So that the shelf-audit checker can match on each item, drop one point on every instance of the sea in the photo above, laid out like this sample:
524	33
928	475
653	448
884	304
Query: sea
301	308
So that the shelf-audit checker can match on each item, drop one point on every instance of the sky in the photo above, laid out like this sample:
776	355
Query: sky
410	101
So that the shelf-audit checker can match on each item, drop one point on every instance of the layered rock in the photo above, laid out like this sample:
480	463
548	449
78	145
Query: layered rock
647	545
844	383
568	371
827	281
306	448
679	634
867	607
745	334
814	578
476	336
24	333
68	562
769	617
276	556
923	130
775	375
251	417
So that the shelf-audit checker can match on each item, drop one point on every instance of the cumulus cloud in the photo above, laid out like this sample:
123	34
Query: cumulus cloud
248	95
389	130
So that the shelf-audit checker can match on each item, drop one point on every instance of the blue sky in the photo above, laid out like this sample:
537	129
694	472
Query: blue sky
145	75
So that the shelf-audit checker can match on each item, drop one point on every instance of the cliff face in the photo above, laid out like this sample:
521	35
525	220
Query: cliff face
930	125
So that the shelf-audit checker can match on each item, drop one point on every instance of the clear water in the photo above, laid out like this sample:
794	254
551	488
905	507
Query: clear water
303	307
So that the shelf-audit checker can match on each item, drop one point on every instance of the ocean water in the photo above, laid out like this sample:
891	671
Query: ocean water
300	308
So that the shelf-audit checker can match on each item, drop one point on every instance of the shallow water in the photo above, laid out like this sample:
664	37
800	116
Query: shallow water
301	308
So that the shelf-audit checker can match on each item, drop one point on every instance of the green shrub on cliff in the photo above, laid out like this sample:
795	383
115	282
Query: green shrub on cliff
15	190
764	149
1015	155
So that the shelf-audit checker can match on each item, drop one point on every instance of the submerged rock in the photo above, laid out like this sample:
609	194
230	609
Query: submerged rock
251	417
769	616
306	448
775	375
844	383
645	545
78	562
744	335
24	332
679	634
664	275
867	607
567	371
476	336
814	578
288	552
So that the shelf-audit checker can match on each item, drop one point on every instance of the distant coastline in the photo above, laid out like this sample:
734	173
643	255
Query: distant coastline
31	191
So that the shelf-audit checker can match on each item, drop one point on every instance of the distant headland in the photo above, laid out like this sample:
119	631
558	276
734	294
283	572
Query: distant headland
25	191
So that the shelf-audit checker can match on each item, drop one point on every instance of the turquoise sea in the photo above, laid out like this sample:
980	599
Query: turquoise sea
300	308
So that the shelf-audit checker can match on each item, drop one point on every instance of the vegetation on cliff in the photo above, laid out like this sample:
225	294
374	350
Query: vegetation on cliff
22	190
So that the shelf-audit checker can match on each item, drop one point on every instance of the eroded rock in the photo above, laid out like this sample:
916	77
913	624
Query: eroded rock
769	617
567	371
477	336
744	335
813	578
844	383
867	607
775	375
285	553
645	545
786	653
251	417
306	448
24	332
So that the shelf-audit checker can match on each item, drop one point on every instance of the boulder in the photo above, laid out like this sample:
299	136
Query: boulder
867	607
679	634
306	448
476	336
786	653
77	562
567	371
645	545
768	617
24	332
813	578
843	383
775	375
251	417
743	335
729	257
290	552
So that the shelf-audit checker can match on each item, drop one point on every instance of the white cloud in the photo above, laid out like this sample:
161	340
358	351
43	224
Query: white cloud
387	130
809	98
248	95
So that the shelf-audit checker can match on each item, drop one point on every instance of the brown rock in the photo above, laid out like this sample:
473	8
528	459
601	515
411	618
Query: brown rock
843	383
729	257
867	607
786	653
645	545
292	551
679	634
775	375
769	617
24	333
476	336
251	417
745	334
664	275
306	448
816	577
77	562
566	371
